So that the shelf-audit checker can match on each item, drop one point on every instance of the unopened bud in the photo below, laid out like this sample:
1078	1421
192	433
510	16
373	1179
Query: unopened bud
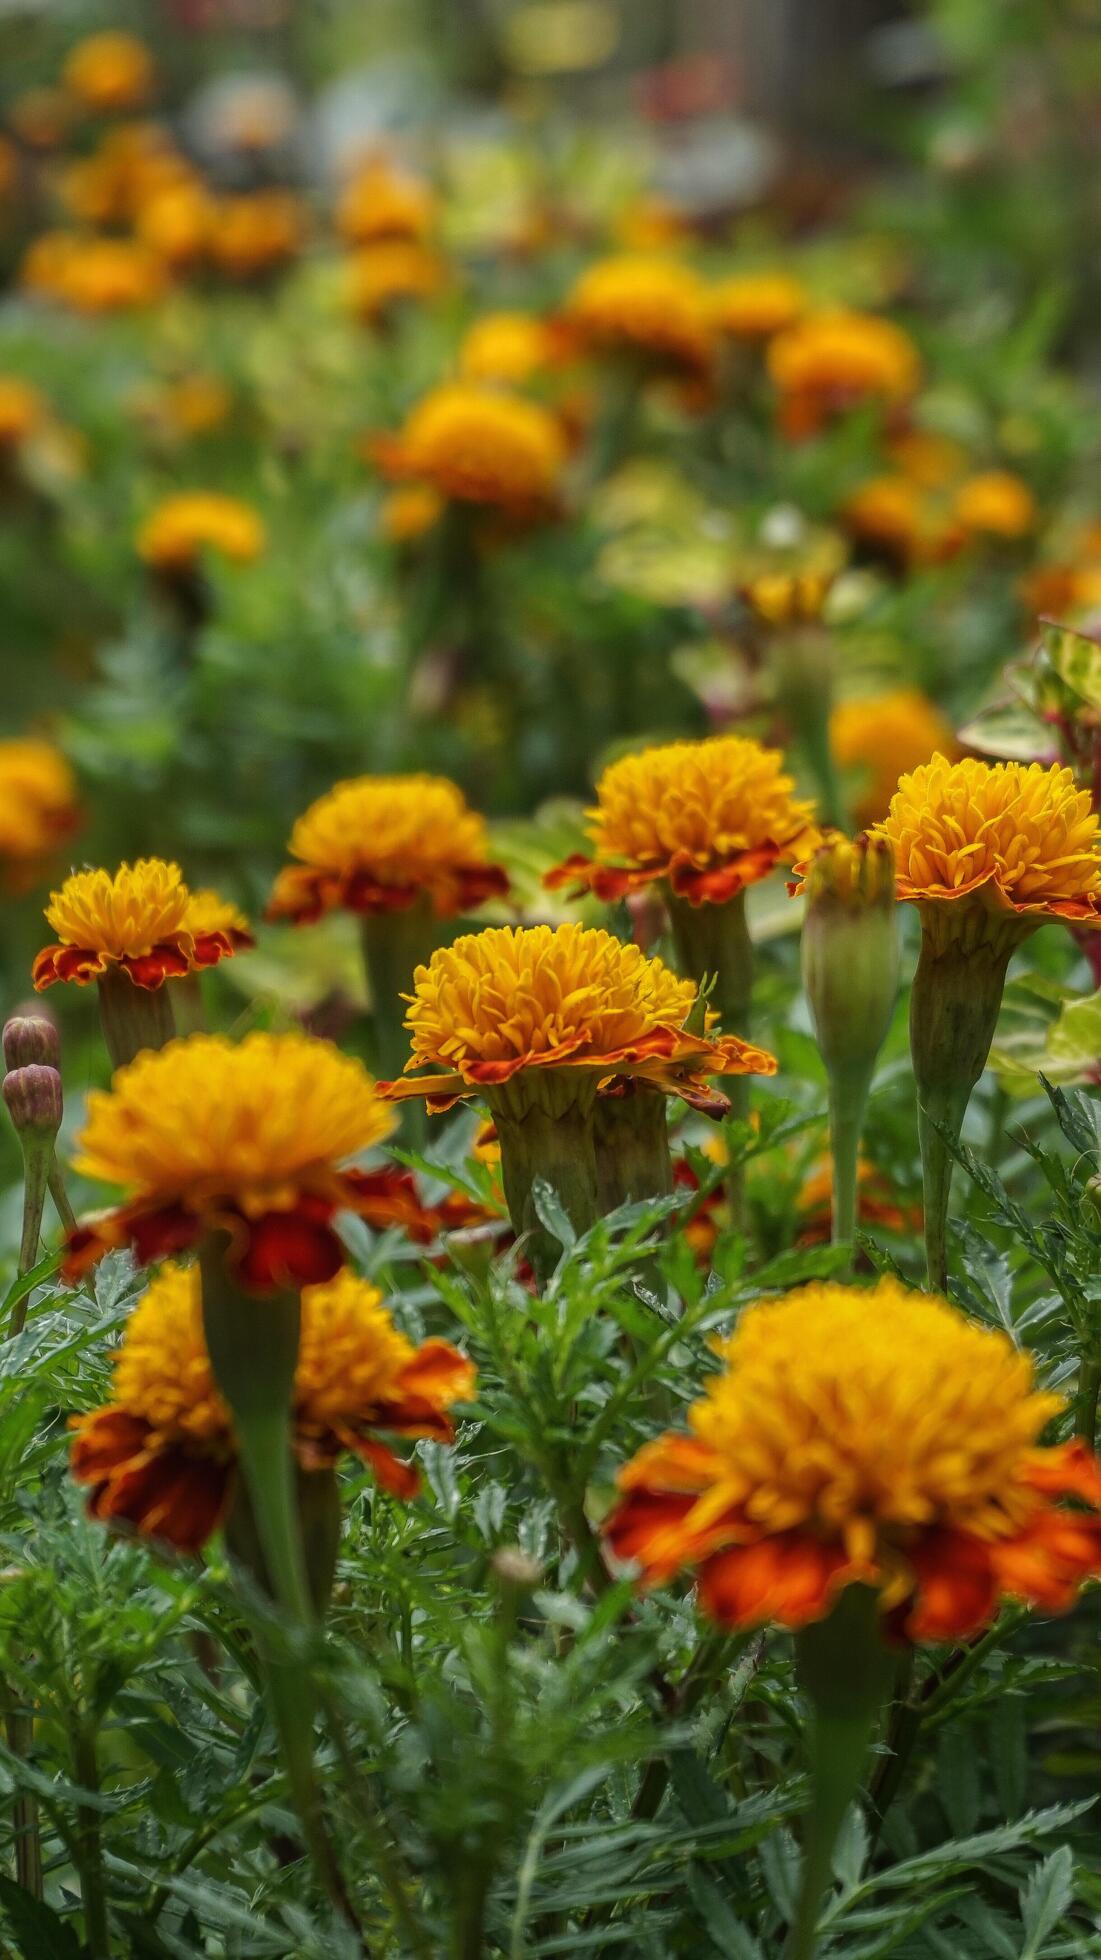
850	948
1093	1198
33	1096
31	1038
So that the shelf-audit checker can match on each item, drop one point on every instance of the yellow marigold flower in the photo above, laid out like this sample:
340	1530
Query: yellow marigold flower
481	446
756	305
42	268
706	817
179	529
879	737
381	203
650	223
874	1437
160	1457
1019	843
108	72
996	504
38	804
256	231
409	512
209	913
507	347
131	166
829	362
511	999
895	515
931	460
248	1139
99	275
22	411
141	917
395	270
654	307
384	843
195	404
176	223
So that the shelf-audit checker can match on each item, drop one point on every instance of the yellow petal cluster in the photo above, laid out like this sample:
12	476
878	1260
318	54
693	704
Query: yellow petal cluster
756	305
708	800
881	736
122	913
657	307
256	1122
1027	833
852	354
855	1409
528	991
478	445
37	798
22	411
108	72
505	347
402	829
195	520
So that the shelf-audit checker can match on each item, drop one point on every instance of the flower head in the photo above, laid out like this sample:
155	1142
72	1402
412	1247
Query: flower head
879	736
383	844
756	305
708	817
506	347
477	445
160	1457
97	275
141	917
38	805
865	1436
397	269
176	222
996	504
1017	844
655	308
183	526
247	1139
255	232
382	203
209	914
108	72
512	999
898	518
22	411
830	362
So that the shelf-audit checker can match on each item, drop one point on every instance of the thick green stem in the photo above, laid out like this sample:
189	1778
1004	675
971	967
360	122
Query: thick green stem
631	1136
394	945
88	1847
953	1014
545	1127
1085	1403
28	1838
132	1017
848	1104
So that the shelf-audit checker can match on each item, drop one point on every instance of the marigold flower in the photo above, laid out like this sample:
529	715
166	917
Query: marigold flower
655	308
830	362
108	72
896	517
176	223
194	405
38	805
161	1456
873	1437
131	167
100	275
996	504
410	512
1011	844
179	529
255	232
22	411
880	737
141	917
506	347
383	844
398	269
247	1139
709	818
756	305
933	461
209	914
480	446
382	203
498	1003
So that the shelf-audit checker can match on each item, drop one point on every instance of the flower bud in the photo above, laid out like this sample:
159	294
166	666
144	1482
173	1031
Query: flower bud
850	948
30	1038
33	1096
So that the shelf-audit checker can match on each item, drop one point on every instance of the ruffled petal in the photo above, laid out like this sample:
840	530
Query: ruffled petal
791	1579
956	1590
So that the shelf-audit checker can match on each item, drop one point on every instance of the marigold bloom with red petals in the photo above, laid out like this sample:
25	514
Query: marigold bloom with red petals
500	1003
248	1139
141	917
161	1456
708	818
384	844
868	1436
830	362
209	914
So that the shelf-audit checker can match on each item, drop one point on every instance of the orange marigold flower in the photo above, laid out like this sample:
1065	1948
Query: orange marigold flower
655	308
108	72
478	445
255	232
161	1456
382	203
830	362
512	1000
383	844
708	818
756	305
38	805
141	917
247	1139
107	275
868	1436
208	913
179	529
409	512
507	347
896	516
1004	845
996	504
195	404
397	269
934	461
176	223
879	737
22	411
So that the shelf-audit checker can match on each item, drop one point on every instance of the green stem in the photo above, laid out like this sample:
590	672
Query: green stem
394	945
1085	1404
712	943
38	1153
848	1105
132	1017
545	1129
28	1836
88	1847
60	1196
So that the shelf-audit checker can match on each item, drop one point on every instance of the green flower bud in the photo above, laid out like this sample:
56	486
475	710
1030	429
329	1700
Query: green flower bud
850	948
31	1038
33	1097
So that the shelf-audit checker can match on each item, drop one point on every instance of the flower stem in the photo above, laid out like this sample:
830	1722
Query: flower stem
37	1157
394	945
848	1104
713	944
60	1196
88	1847
1085	1405
132	1017
545	1128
